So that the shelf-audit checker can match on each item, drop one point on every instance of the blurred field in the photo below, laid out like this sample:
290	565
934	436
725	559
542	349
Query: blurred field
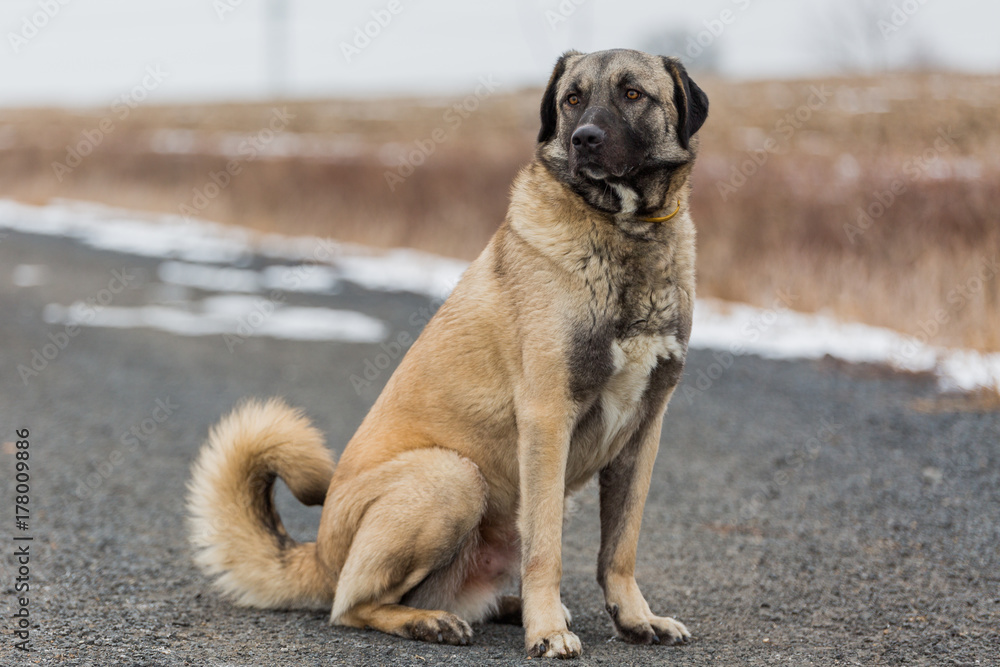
875	200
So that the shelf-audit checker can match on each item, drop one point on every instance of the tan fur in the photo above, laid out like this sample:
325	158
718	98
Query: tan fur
455	483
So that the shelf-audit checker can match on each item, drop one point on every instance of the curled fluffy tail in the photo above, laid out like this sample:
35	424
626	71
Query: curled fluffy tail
236	532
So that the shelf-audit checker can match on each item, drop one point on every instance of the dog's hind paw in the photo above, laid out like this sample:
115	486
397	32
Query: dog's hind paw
444	628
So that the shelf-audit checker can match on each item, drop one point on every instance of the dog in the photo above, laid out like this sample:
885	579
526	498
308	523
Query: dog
552	361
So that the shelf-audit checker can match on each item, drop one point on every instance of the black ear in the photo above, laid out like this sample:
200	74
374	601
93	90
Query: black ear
550	108
690	100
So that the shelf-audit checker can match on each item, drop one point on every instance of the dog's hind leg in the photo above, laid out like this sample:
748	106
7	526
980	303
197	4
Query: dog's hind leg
422	525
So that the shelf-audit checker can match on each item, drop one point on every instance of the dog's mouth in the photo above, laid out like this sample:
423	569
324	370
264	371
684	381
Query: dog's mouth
595	170
592	171
599	170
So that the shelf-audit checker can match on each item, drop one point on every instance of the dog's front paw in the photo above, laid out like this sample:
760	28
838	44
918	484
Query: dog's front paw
669	631
561	644
648	629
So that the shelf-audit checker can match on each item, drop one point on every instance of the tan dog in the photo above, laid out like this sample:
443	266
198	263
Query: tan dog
552	361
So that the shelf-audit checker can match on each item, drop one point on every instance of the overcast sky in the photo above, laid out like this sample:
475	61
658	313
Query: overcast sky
88	52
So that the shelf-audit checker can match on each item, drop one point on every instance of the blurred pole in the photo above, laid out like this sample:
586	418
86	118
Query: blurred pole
277	47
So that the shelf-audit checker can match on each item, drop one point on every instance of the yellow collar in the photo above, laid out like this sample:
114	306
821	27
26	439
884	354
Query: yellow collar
664	218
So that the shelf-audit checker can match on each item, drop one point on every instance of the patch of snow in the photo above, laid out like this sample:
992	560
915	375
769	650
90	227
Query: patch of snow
232	315
148	235
30	275
311	278
188	246
194	240
209	278
776	333
403	270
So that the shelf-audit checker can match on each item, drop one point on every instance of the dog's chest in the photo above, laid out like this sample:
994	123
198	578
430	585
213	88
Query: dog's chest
633	361
619	379
628	348
618	407
636	315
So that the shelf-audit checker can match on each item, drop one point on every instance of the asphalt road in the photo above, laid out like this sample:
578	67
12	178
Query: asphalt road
801	513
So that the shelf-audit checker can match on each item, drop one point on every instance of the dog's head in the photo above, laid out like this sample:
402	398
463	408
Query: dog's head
618	125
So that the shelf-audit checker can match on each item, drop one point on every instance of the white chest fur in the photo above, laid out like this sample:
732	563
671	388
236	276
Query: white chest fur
621	403
634	360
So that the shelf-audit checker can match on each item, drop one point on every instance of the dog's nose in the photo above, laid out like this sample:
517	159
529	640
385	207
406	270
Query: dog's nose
588	137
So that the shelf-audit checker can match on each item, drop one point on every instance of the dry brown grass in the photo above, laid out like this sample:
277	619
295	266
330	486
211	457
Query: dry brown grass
914	269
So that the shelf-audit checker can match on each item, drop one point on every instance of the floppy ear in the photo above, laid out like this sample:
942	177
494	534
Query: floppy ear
690	100
550	111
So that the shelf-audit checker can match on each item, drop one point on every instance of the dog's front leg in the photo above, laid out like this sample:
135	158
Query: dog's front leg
624	485
544	426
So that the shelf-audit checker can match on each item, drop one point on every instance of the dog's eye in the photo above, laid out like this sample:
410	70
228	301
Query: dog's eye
573	99
633	94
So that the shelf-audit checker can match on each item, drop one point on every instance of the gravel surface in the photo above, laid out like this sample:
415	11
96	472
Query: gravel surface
801	513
